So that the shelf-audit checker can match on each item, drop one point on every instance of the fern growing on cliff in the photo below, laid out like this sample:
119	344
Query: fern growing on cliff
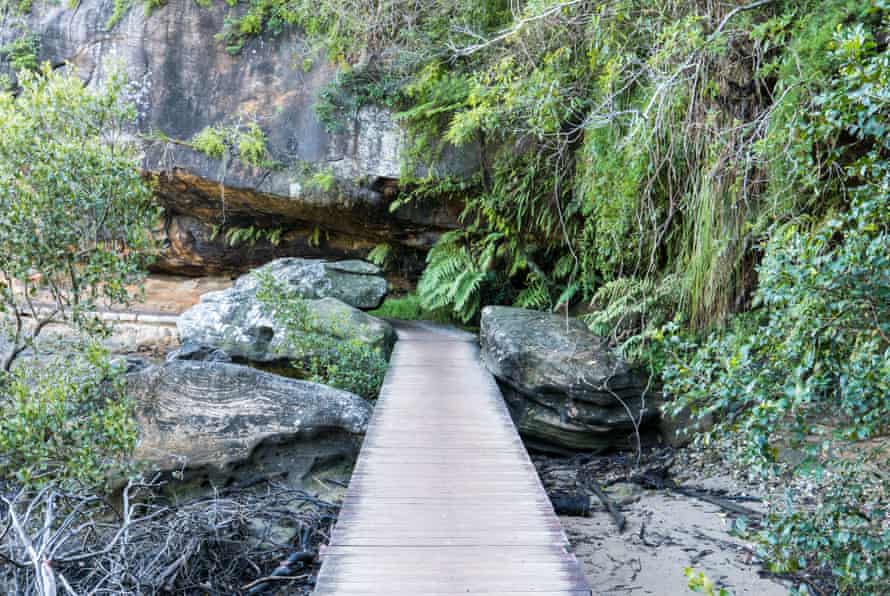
452	279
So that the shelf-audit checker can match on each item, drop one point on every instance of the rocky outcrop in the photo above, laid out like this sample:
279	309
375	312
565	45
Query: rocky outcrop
185	81
565	388
214	419
357	283
235	321
196	247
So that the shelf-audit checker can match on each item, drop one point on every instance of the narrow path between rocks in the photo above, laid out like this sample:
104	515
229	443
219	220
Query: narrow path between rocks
444	499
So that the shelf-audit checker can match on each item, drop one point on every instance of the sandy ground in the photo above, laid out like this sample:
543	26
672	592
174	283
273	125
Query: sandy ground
665	534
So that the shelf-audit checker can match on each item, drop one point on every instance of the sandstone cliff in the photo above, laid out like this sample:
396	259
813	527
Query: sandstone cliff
185	81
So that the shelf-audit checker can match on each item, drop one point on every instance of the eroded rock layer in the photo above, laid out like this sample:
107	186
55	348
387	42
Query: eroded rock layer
211	418
565	388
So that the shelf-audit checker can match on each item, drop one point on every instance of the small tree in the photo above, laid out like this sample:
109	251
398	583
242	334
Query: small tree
75	212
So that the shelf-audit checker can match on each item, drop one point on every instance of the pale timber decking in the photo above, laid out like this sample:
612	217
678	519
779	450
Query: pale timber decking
444	499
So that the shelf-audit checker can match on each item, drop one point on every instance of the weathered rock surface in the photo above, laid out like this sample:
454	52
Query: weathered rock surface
357	283
565	388
194	351
234	320
186	81
195	247
212	418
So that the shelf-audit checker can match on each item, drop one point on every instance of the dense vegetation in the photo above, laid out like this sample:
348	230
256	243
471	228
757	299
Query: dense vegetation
706	182
74	238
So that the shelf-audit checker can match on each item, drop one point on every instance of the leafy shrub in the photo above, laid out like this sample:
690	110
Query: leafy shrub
811	373
75	212
352	89
247	142
67	421
331	354
810	368
22	52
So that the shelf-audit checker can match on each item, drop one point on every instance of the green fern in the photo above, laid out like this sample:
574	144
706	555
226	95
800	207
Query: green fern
250	235
535	294
452	279
629	309
380	255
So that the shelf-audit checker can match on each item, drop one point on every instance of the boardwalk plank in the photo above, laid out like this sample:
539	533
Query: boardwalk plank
444	499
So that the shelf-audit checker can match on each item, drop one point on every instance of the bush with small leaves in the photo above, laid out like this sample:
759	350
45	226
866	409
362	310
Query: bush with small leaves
66	421
76	213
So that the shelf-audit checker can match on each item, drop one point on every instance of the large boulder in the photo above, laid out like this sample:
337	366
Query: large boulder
215	419
357	283
235	321
565	388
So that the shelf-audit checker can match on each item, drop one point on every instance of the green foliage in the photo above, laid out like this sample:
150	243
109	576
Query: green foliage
333	355
211	141
361	27
120	8
701	584
824	289
353	89
66	422
21	53
584	181
17	7
249	235
380	255
811	370
844	533
322	180
614	151
251	144
453	278
433	97
410	308
247	142
632	312
75	212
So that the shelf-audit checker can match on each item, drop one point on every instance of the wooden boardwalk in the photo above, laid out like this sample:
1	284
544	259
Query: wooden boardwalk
444	499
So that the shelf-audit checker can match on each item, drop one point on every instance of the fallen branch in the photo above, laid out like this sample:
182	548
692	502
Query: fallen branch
282	572
724	504
610	506
662	482
272	578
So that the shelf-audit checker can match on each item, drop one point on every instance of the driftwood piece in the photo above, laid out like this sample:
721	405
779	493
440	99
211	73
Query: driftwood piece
724	504
571	504
610	506
661	481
